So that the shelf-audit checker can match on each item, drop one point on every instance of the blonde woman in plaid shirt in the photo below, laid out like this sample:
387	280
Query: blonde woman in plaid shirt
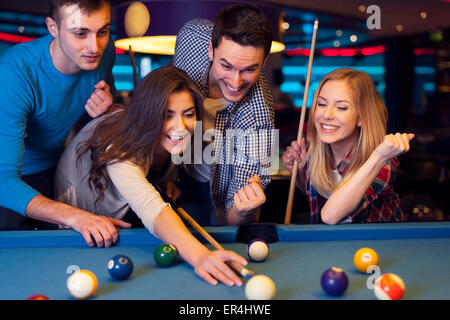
348	164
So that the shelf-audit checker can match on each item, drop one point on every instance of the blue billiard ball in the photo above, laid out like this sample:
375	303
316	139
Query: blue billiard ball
334	281
120	267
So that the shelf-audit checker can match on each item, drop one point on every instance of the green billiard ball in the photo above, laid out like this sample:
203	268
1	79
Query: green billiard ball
165	255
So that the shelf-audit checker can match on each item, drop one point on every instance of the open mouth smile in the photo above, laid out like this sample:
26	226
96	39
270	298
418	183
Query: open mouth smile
328	127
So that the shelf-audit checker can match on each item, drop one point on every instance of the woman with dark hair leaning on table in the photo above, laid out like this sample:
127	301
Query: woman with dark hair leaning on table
347	164
106	167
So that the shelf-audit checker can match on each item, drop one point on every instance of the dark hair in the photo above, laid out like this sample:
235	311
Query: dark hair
88	5
244	24
134	132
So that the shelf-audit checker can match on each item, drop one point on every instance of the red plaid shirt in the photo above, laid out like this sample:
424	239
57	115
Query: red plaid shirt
379	204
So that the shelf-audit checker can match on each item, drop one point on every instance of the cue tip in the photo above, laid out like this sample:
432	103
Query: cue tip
247	273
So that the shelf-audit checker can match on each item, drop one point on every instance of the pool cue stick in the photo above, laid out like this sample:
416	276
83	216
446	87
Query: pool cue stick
287	218
133	64
237	266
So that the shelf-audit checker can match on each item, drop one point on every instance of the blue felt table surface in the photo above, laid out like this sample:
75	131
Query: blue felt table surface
40	262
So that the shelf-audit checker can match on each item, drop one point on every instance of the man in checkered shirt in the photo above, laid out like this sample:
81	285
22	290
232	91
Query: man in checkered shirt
225	60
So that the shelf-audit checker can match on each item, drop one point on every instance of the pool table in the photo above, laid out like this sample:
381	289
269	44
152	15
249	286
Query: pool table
33	262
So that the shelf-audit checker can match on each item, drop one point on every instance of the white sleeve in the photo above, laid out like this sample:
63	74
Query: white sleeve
130	180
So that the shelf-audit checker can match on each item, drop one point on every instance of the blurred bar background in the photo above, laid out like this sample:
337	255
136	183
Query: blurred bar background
403	45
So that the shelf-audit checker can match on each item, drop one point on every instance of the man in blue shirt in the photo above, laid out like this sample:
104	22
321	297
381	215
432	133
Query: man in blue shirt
46	86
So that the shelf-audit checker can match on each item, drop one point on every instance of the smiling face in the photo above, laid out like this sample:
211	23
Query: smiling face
336	119
234	69
180	122
80	38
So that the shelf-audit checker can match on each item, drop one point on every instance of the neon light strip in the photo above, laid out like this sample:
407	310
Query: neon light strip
343	52
349	52
12	38
301	70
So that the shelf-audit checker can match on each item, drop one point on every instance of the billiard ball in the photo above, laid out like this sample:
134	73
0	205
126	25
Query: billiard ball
364	258
258	250
120	267
334	281
82	284
165	255
38	297
260	287
389	286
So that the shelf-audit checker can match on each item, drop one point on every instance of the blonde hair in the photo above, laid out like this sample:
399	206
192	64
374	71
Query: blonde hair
373	116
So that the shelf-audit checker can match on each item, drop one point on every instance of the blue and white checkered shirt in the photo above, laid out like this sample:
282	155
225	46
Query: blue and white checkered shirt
243	145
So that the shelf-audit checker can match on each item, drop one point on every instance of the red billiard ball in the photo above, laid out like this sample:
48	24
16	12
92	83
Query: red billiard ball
389	286
334	281
38	297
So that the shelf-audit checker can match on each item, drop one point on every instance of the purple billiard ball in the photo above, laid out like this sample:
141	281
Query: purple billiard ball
334	281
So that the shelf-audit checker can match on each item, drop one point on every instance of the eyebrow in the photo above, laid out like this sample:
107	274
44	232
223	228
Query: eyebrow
189	109
88	30
336	100
255	65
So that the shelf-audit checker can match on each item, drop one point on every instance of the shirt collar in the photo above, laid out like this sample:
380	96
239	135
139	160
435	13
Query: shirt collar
343	166
204	83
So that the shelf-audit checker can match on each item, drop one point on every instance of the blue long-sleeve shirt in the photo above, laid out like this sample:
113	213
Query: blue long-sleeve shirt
38	107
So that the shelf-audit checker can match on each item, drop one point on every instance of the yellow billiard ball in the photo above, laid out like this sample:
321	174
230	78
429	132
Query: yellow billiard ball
364	258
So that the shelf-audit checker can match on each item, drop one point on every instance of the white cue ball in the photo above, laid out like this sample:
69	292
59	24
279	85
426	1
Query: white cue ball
82	284
258	250
260	287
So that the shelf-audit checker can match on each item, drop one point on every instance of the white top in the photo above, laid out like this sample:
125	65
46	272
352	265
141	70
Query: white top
131	182
202	172
211	108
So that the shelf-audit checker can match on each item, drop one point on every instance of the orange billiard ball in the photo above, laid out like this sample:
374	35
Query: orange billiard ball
389	287
364	258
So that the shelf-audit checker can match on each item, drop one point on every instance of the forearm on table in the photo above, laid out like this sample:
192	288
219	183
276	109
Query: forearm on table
145	200
45	209
345	199
27	201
